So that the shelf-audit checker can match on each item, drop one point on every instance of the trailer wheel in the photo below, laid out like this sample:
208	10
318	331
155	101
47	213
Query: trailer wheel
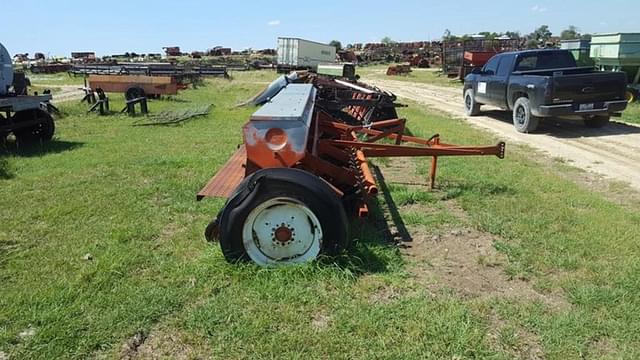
42	131
134	92
471	107
282	216
596	121
523	120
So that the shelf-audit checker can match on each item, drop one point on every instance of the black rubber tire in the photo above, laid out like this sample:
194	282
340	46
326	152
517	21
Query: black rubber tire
134	92
471	106
523	120
43	131
596	121
266	184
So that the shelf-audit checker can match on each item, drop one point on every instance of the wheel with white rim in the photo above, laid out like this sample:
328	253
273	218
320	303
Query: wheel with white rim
281	216
282	229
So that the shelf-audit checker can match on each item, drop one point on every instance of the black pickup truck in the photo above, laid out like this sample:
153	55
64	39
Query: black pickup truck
545	83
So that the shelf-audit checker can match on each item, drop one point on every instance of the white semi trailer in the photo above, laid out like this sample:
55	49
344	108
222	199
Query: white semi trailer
296	54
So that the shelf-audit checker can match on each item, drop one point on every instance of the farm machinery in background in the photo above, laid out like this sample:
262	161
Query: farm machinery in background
303	168
26	116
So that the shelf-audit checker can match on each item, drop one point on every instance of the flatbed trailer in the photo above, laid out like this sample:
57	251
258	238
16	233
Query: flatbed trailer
135	86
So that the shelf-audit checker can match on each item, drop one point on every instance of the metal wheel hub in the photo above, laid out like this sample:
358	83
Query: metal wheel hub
467	102
283	235
520	115
282	230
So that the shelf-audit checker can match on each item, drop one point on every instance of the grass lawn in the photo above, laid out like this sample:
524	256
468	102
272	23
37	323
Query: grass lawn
632	113
102	253
58	79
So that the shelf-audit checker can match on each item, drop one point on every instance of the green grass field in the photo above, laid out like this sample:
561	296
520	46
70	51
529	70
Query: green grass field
102	253
632	113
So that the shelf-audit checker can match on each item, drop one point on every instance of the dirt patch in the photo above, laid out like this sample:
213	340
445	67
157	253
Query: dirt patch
518	342
457	258
160	344
169	231
602	348
464	260
130	348
321	320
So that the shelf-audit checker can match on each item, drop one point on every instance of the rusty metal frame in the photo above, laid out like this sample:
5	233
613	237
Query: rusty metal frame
338	152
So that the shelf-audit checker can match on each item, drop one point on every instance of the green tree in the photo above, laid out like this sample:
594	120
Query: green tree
513	34
489	35
532	44
541	34
570	33
337	44
387	41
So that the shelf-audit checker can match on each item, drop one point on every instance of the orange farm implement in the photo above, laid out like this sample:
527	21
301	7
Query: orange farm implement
303	167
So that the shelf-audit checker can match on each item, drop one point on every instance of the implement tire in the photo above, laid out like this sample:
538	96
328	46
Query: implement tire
282	216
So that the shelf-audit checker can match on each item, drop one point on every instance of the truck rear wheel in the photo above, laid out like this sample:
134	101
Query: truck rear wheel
282	216
42	131
523	120
596	121
471	107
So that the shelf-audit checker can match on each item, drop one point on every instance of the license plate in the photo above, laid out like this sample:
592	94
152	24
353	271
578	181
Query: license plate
586	107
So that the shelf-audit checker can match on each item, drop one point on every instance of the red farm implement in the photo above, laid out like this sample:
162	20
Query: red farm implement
303	167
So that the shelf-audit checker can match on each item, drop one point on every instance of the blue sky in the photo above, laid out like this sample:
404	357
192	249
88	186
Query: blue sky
61	26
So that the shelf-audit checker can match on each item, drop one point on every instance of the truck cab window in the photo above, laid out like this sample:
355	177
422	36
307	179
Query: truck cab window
505	66
526	63
544	60
491	67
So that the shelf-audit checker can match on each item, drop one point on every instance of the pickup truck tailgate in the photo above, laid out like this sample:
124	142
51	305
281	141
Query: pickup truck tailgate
589	87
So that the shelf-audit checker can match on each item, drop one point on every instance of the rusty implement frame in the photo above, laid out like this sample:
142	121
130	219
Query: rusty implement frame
338	152
405	146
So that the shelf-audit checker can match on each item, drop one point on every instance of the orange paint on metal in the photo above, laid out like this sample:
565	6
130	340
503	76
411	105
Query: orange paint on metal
228	178
263	153
158	85
369	182
363	210
276	138
283	234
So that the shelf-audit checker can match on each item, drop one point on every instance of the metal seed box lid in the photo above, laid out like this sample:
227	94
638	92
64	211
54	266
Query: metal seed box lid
295	102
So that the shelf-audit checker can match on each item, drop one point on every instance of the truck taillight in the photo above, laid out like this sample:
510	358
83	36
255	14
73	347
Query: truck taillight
548	90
